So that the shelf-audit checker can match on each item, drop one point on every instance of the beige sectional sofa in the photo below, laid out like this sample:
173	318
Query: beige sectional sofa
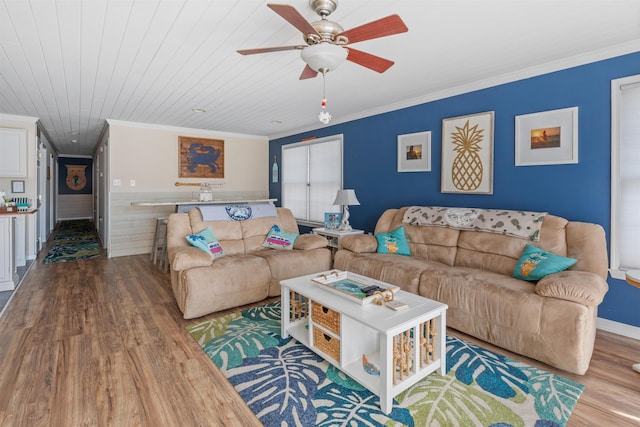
552	320
247	272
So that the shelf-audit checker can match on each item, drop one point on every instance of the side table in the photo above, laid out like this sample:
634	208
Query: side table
334	236
633	278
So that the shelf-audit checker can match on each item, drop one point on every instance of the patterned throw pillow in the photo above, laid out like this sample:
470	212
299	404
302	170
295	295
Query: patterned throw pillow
536	263
279	239
394	242
206	241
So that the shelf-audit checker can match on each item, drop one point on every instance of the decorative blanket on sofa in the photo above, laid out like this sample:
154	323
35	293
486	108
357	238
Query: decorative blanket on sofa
522	224
238	212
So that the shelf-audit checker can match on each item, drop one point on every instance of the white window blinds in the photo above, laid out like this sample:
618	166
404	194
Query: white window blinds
311	176
629	178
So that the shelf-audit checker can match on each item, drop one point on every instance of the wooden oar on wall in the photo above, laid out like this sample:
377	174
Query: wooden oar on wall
199	184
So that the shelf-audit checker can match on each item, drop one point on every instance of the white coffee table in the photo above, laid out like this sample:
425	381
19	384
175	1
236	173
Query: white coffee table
404	345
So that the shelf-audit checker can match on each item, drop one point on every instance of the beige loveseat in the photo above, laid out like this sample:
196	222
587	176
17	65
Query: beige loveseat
247	272
552	320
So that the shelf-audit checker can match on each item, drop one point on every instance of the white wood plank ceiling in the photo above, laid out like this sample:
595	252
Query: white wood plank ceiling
75	63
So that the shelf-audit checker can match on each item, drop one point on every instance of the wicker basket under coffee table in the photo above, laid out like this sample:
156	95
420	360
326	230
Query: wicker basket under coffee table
400	347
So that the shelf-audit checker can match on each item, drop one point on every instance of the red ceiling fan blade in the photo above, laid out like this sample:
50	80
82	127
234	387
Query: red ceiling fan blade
292	16
368	60
308	73
381	28
269	49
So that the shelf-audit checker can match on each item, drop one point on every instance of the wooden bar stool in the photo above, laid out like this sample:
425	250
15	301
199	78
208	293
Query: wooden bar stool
159	246
633	278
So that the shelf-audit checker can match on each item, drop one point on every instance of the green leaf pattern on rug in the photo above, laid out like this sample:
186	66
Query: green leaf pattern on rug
337	406
284	382
491	371
337	376
554	396
243	338
269	311
444	401
206	331
279	383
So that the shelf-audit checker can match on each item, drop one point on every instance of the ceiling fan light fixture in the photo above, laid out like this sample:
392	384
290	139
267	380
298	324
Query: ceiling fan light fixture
324	57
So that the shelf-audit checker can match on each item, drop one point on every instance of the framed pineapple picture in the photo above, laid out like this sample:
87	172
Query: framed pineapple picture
467	154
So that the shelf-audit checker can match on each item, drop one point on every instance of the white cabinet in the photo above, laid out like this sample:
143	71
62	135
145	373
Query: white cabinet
8	272
13	146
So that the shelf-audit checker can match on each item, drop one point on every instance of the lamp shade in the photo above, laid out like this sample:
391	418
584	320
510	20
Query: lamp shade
323	57
346	198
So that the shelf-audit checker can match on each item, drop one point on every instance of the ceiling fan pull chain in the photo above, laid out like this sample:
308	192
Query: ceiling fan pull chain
324	115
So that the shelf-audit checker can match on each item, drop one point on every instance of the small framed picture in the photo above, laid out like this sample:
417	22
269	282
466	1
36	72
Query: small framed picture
17	186
547	138
414	152
332	220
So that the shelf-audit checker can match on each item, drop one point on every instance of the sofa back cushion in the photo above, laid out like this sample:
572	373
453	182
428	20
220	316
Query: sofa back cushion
228	233
241	237
430	243
500	253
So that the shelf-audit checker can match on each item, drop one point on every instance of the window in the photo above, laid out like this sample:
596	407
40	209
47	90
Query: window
311	176
625	175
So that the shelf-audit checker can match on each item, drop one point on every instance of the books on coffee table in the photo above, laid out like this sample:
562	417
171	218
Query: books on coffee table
361	290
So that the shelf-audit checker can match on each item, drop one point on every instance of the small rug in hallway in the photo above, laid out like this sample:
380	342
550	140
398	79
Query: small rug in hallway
286	384
74	240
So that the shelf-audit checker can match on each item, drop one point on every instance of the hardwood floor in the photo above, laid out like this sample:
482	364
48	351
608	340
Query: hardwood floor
101	343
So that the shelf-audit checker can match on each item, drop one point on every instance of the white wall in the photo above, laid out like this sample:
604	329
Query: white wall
148	154
75	206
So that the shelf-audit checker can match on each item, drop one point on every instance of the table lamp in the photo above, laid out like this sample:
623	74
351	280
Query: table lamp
345	198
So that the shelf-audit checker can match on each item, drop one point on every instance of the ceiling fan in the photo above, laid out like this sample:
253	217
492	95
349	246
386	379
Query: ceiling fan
327	44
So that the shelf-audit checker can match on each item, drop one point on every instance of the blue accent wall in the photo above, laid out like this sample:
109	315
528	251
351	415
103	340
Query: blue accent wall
578	192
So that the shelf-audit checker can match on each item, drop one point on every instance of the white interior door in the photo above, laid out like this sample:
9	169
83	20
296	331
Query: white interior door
43	200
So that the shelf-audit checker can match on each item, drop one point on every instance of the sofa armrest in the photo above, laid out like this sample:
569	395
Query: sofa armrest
307	242
577	286
189	257
359	243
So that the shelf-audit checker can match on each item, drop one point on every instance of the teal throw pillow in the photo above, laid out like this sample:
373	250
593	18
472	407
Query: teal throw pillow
206	241
536	263
394	242
279	239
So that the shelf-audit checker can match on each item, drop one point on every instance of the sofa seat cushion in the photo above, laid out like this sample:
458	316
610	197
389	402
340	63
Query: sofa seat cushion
288	264
229	281
398	270
493	299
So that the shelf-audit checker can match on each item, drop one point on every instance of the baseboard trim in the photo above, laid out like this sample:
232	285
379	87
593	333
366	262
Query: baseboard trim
618	328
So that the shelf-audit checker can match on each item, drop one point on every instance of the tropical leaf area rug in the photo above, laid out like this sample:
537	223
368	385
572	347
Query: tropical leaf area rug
286	384
74	240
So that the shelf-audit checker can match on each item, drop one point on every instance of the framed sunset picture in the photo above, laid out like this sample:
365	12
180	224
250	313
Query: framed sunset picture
547	138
